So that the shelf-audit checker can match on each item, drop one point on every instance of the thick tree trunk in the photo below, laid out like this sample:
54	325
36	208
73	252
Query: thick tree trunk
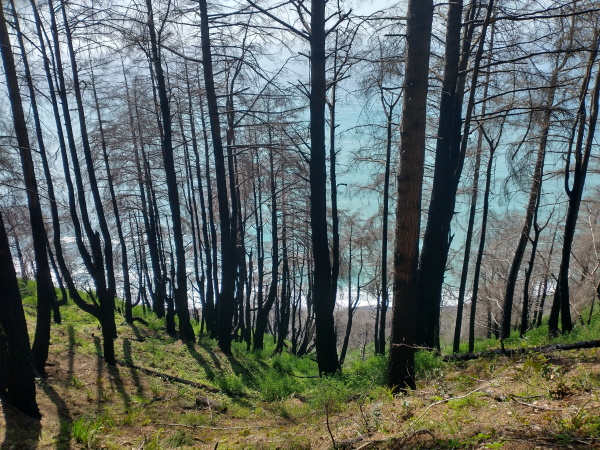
408	208
17	377
46	296
327	357
44	156
450	156
436	240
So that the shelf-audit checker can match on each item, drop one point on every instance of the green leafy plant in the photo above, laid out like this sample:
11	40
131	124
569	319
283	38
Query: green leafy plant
85	430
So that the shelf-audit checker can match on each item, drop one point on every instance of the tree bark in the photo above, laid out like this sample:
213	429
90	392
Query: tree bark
186	332
532	205
226	295
46	296
436	241
17	377
327	357
408	207
582	151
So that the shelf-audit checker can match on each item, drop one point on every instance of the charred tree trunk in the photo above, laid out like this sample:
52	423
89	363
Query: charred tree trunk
532	206
450	156
104	277
327	357
186	332
484	221
208	313
228	260
113	199
582	151
46	296
262	314
17	377
408	208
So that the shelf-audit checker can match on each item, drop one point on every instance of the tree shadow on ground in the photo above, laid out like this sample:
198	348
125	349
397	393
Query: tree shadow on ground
117	381
210	374
137	333
129	361
239	369
207	346
21	431
63	441
100	395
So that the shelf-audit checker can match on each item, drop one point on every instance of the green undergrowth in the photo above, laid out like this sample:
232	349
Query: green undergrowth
260	376
140	401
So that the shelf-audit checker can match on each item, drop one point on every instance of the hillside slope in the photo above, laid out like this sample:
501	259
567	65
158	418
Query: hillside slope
165	394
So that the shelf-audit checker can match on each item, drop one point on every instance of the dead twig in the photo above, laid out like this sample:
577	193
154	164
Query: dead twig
208	428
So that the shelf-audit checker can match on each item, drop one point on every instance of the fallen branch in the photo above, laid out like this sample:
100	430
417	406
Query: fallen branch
445	400
543	408
520	351
208	428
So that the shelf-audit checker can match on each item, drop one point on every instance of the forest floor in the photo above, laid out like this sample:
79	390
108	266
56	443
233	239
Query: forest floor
531	401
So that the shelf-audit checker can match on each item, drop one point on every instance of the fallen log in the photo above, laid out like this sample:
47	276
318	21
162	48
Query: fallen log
520	351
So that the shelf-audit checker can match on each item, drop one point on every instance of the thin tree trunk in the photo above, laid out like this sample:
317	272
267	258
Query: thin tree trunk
208	313
226	295
472	214
380	327
186	332
484	222
532	205
284	301
113	198
561	302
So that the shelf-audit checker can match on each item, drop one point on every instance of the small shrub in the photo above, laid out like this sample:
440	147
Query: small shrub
85	430
232	384
330	394
428	365
471	401
273	386
77	383
180	439
372	371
